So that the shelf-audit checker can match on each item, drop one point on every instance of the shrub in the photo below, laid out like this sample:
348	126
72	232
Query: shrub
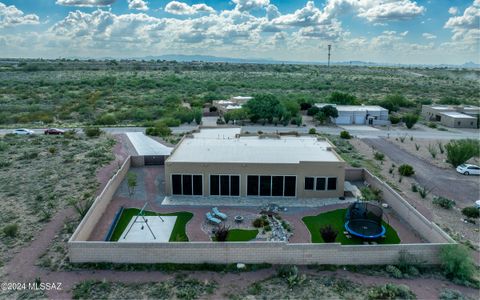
3	146
258	222
410	120
371	194
394	271
221	233
407	263
10	230
5	163
443	202
460	151
312	131
432	125
267	228
379	156
131	182
92	131
414	188
417	147
329	235
52	150
471	212
160	129
456	262
449	294
440	147
391	291
423	192
345	135
432	150
313	111
107	119
406	170
394	119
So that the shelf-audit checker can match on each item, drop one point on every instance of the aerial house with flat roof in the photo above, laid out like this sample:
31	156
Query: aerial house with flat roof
225	162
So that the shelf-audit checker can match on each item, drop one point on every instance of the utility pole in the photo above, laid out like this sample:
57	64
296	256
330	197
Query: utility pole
329	48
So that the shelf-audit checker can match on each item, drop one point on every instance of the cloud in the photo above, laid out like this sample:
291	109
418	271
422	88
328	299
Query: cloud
180	8
12	16
248	5
465	28
138	5
429	36
272	12
453	10
389	11
85	3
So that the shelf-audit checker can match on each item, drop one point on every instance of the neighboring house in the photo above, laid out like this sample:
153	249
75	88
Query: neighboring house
233	103
227	163
452	116
359	114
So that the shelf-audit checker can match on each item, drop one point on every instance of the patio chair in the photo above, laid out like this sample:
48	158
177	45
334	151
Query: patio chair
219	214
212	219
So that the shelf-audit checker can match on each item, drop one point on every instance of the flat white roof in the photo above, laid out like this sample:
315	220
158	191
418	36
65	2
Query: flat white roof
443	107
346	108
457	115
145	145
220	146
242	97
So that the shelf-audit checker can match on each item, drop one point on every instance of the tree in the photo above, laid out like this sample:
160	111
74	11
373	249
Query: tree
321	117
394	102
410	120
131	182
342	98
406	170
291	106
159	129
313	111
197	114
263	106
329	111
459	151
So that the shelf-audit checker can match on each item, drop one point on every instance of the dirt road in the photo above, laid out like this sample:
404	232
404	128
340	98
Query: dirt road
465	190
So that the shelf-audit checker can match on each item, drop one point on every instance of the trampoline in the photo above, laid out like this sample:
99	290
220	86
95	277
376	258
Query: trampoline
364	220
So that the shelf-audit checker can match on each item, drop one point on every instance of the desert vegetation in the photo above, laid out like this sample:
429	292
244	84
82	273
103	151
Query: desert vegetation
109	93
36	182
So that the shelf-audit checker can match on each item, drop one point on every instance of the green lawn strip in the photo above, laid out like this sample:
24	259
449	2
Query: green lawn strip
241	235
336	219
178	232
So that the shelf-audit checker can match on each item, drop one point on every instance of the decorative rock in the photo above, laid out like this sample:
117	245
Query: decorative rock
241	266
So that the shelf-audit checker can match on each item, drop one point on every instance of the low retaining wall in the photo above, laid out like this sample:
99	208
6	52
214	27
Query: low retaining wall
98	207
248	252
81	250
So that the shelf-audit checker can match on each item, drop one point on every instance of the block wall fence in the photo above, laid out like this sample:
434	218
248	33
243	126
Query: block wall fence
81	250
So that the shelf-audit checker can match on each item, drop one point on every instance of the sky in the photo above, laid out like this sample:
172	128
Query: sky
382	31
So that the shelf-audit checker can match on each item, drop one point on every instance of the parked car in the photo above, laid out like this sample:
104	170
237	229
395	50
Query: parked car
477	204
23	131
54	131
467	169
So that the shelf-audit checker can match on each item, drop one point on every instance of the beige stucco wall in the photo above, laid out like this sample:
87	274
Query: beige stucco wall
98	207
458	122
301	170
248	252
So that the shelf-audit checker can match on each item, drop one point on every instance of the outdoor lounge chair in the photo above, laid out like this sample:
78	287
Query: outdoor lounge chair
212	219
219	214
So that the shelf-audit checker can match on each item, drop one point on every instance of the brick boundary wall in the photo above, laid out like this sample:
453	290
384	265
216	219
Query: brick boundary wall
81	250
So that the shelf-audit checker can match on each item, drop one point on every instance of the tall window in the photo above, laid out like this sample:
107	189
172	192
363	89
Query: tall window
266	185
225	185
187	184
309	183
320	184
332	183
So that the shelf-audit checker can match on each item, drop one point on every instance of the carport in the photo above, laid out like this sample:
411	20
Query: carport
154	153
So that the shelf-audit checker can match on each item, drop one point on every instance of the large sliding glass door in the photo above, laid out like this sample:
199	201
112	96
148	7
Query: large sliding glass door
187	184
225	185
266	185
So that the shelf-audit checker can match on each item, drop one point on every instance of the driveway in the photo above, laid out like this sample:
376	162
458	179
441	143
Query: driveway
445	182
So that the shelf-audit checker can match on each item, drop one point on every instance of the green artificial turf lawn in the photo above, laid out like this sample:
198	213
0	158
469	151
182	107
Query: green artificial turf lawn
241	235
336	219
179	230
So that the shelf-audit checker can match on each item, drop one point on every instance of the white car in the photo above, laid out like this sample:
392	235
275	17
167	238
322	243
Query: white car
23	131
467	169
477	204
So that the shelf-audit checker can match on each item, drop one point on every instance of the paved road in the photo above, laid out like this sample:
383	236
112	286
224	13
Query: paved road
465	190
421	132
